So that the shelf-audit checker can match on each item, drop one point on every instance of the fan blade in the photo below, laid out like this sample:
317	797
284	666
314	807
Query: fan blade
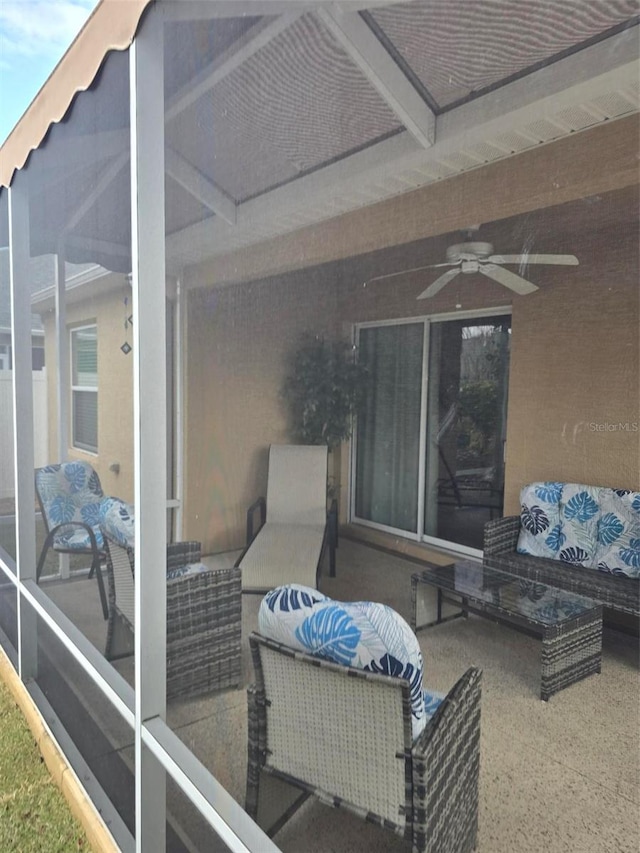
509	279
438	284
561	260
406	272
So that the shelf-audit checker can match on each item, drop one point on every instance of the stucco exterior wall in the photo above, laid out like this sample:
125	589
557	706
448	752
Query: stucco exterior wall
574	382
238	343
115	391
574	406
574	360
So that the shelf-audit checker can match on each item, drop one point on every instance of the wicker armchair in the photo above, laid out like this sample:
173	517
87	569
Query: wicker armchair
344	735
203	618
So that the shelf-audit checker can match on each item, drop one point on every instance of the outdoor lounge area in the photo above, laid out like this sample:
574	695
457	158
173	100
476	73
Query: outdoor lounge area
562	773
343	296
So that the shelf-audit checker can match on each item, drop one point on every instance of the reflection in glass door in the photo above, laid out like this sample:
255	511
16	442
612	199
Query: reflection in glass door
466	427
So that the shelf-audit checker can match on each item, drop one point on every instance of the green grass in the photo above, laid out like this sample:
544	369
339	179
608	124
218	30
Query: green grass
34	816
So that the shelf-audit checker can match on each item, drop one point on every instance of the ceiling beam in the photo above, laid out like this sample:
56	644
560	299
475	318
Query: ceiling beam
199	186
256	38
109	174
380	69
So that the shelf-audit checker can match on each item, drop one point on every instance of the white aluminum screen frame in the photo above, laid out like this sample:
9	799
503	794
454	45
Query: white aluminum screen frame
157	748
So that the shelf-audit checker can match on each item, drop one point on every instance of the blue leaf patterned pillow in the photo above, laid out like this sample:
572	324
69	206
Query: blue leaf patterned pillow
580	513
540	530
117	520
329	632
618	533
362	634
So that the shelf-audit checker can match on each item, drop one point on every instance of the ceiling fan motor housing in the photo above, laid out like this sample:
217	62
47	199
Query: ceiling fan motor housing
469	252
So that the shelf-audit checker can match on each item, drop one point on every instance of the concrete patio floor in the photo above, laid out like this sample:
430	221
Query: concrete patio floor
559	776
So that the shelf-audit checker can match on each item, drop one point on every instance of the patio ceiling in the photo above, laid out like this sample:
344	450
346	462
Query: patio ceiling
277	122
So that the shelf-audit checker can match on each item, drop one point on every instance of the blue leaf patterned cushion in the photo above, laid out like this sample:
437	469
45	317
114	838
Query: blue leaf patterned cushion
117	518
186	571
71	492
77	539
363	634
590	526
540	528
118	522
618	533
579	516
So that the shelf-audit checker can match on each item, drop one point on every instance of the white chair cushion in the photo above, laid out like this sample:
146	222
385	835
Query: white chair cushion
297	484
282	551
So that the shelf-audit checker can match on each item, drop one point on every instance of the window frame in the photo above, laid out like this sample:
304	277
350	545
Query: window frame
77	445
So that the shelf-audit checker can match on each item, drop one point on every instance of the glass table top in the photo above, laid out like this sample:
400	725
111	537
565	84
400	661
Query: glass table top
493	589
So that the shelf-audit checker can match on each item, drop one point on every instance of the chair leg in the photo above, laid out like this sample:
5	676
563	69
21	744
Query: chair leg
255	752
43	555
95	567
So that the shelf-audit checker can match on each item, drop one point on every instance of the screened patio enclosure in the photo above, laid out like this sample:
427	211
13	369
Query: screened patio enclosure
213	179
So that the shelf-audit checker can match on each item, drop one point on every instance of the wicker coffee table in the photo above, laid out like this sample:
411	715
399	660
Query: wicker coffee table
569	625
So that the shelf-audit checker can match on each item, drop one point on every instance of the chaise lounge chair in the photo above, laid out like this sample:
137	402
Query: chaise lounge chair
294	527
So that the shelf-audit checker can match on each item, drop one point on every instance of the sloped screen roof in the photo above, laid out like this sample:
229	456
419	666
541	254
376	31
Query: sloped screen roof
459	49
254	103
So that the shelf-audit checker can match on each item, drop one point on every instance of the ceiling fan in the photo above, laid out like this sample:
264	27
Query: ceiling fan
472	257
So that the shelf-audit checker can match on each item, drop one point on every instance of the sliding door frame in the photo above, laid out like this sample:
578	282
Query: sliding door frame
419	535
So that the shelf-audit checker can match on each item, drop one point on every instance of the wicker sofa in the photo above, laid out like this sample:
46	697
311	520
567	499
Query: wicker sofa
503	546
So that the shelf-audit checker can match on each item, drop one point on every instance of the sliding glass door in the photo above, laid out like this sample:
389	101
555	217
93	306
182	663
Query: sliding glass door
429	451
466	427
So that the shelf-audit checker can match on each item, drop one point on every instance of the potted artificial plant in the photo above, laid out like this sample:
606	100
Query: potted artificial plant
323	390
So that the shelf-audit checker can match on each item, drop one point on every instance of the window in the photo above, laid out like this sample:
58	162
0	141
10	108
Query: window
84	388
37	357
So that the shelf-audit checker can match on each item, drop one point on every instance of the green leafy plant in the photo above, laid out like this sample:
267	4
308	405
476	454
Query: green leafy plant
323	390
